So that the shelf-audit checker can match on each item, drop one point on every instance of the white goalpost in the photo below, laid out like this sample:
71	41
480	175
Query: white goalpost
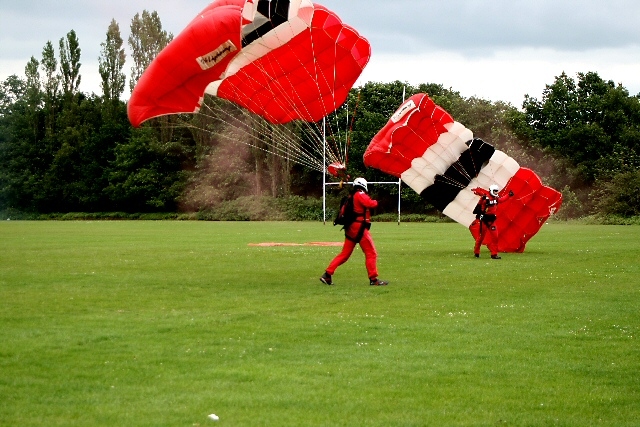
326	184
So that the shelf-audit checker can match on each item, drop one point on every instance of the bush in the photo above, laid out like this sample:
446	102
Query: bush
612	220
393	217
14	214
620	196
263	208
11	214
571	207
246	208
297	208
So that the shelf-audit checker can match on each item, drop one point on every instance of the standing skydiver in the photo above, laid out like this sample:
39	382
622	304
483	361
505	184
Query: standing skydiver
357	232
485	211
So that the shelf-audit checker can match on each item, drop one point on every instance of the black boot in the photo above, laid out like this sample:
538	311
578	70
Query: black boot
326	279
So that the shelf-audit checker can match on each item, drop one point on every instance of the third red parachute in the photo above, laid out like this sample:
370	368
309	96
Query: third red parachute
441	160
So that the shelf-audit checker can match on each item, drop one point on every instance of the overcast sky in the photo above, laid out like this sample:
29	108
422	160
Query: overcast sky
494	49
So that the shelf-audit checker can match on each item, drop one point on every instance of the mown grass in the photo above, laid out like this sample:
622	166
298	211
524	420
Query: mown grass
160	323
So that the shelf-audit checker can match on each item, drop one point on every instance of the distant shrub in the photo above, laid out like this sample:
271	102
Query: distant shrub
90	216
601	219
571	207
13	214
263	208
293	208
393	217
246	208
297	208
620	196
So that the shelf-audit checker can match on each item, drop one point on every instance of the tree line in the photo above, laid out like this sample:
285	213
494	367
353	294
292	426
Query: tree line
62	150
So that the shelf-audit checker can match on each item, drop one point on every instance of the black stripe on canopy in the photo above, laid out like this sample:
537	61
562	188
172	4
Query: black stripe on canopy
271	13
458	176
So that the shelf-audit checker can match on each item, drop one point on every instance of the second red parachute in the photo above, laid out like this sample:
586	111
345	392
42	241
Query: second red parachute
283	60
441	160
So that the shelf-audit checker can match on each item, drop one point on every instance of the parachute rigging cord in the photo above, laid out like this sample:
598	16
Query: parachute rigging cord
349	131
285	141
262	73
300	141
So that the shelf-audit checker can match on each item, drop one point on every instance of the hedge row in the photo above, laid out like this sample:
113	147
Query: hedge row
253	208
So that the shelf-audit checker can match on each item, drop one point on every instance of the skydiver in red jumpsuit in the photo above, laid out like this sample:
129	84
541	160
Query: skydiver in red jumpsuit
486	213
358	232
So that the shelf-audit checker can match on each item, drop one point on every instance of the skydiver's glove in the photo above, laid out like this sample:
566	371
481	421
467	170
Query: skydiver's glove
510	193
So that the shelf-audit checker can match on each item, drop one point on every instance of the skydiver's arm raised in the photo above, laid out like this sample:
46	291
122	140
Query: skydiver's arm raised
506	197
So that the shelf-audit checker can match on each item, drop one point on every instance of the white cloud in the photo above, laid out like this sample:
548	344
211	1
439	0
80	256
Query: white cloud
506	75
494	49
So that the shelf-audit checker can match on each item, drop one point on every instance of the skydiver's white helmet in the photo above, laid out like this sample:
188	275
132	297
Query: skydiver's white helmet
361	182
494	189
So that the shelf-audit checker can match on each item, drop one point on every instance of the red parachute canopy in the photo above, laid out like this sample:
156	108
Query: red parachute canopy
440	160
284	60
338	170
521	216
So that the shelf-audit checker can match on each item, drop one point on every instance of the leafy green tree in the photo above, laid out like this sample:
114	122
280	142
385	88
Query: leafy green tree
62	184
70	64
592	122
22	159
146	175
78	174
588	129
64	169
111	62
114	129
146	40
33	85
620	195
147	170
377	102
12	90
59	150
50	84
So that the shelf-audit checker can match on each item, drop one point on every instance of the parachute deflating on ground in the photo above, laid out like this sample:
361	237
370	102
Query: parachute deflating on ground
283	60
441	160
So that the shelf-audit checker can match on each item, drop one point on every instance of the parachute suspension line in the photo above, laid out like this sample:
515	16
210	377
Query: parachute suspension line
233	137
313	134
346	154
324	172
450	181
458	167
350	129
299	107
279	140
333	141
313	128
337	138
305	145
281	135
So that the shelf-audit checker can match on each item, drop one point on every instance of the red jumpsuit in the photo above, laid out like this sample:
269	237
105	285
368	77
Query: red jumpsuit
488	230
361	200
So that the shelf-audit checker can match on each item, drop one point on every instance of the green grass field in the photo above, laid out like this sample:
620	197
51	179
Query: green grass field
136	323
